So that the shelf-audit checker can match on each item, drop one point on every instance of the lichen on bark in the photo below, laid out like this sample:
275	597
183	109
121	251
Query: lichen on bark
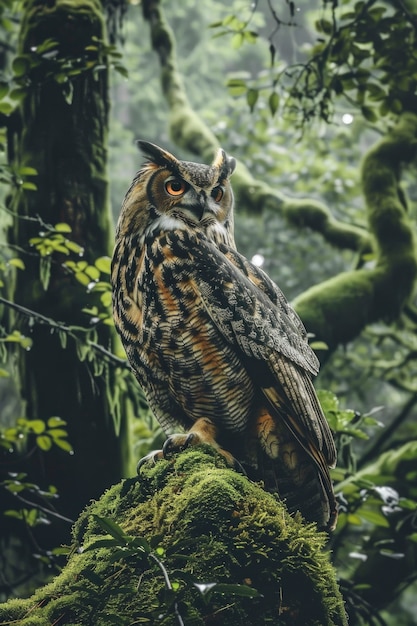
211	525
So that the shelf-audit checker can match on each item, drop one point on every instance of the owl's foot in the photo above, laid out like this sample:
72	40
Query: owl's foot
203	431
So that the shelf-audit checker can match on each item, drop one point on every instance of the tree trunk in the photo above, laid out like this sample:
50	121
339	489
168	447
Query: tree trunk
64	119
195	543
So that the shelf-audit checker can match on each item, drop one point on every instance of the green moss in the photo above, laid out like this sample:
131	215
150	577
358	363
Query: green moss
214	525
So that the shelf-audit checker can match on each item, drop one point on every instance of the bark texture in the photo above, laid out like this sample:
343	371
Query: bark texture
64	119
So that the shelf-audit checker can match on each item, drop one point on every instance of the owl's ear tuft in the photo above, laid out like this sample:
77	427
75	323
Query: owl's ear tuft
157	155
231	162
226	164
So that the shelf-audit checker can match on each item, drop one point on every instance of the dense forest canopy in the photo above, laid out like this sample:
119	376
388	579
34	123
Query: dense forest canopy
318	105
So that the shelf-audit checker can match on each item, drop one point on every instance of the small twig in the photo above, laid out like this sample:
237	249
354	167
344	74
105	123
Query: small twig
167	585
379	442
47	321
44	509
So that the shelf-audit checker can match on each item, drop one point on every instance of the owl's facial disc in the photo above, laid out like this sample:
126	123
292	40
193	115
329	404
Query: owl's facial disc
197	203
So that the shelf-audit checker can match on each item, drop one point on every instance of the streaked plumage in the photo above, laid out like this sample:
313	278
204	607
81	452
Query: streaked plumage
211	339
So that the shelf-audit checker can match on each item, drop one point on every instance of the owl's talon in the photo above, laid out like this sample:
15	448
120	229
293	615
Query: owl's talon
178	443
153	456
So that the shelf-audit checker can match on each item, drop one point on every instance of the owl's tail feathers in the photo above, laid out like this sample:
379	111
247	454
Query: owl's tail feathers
302	488
298	473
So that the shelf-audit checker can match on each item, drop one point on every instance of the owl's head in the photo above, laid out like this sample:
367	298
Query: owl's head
168	193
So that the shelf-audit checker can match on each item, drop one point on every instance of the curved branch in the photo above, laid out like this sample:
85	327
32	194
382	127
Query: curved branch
338	309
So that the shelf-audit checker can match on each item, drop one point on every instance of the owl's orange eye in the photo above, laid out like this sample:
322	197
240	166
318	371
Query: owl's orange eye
175	186
217	194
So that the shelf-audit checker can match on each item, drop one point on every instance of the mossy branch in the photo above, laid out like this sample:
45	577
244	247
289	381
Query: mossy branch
189	132
207	525
338	309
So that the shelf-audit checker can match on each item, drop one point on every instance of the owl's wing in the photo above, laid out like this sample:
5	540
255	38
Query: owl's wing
259	278
267	330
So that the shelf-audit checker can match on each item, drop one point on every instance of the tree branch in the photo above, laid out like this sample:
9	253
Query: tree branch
338	309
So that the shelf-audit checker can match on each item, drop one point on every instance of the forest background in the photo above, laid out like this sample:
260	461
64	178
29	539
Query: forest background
319	107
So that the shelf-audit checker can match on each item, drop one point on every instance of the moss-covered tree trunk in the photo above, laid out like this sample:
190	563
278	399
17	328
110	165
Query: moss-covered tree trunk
64	118
195	543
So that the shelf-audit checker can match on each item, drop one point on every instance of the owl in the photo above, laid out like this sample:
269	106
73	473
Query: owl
219	352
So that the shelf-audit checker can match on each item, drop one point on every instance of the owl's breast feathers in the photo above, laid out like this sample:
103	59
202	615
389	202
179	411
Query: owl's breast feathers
210	335
183	363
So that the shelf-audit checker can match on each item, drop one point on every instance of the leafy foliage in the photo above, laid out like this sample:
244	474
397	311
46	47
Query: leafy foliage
363	52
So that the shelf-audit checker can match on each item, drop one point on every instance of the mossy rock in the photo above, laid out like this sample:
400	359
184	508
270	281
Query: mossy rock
205	524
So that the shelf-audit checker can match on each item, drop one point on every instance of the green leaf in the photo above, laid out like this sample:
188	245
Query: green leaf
103	264
406	503
36	426
374	517
121	69
105	542
83	278
4	89
236	590
54	422
328	400
63	227
237	40
27	171
18	93
396	106
92	272
6	108
319	345
324	26
369	114
61	550
111	527
20	66
15	487
44	442
250	36
64	444
106	299
252	98
273	102
45	271
13	513
16	263
101	286
74	247
29	186
92	576
57	432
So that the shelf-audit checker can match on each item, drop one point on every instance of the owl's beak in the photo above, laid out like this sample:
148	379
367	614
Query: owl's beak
200	208
201	205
